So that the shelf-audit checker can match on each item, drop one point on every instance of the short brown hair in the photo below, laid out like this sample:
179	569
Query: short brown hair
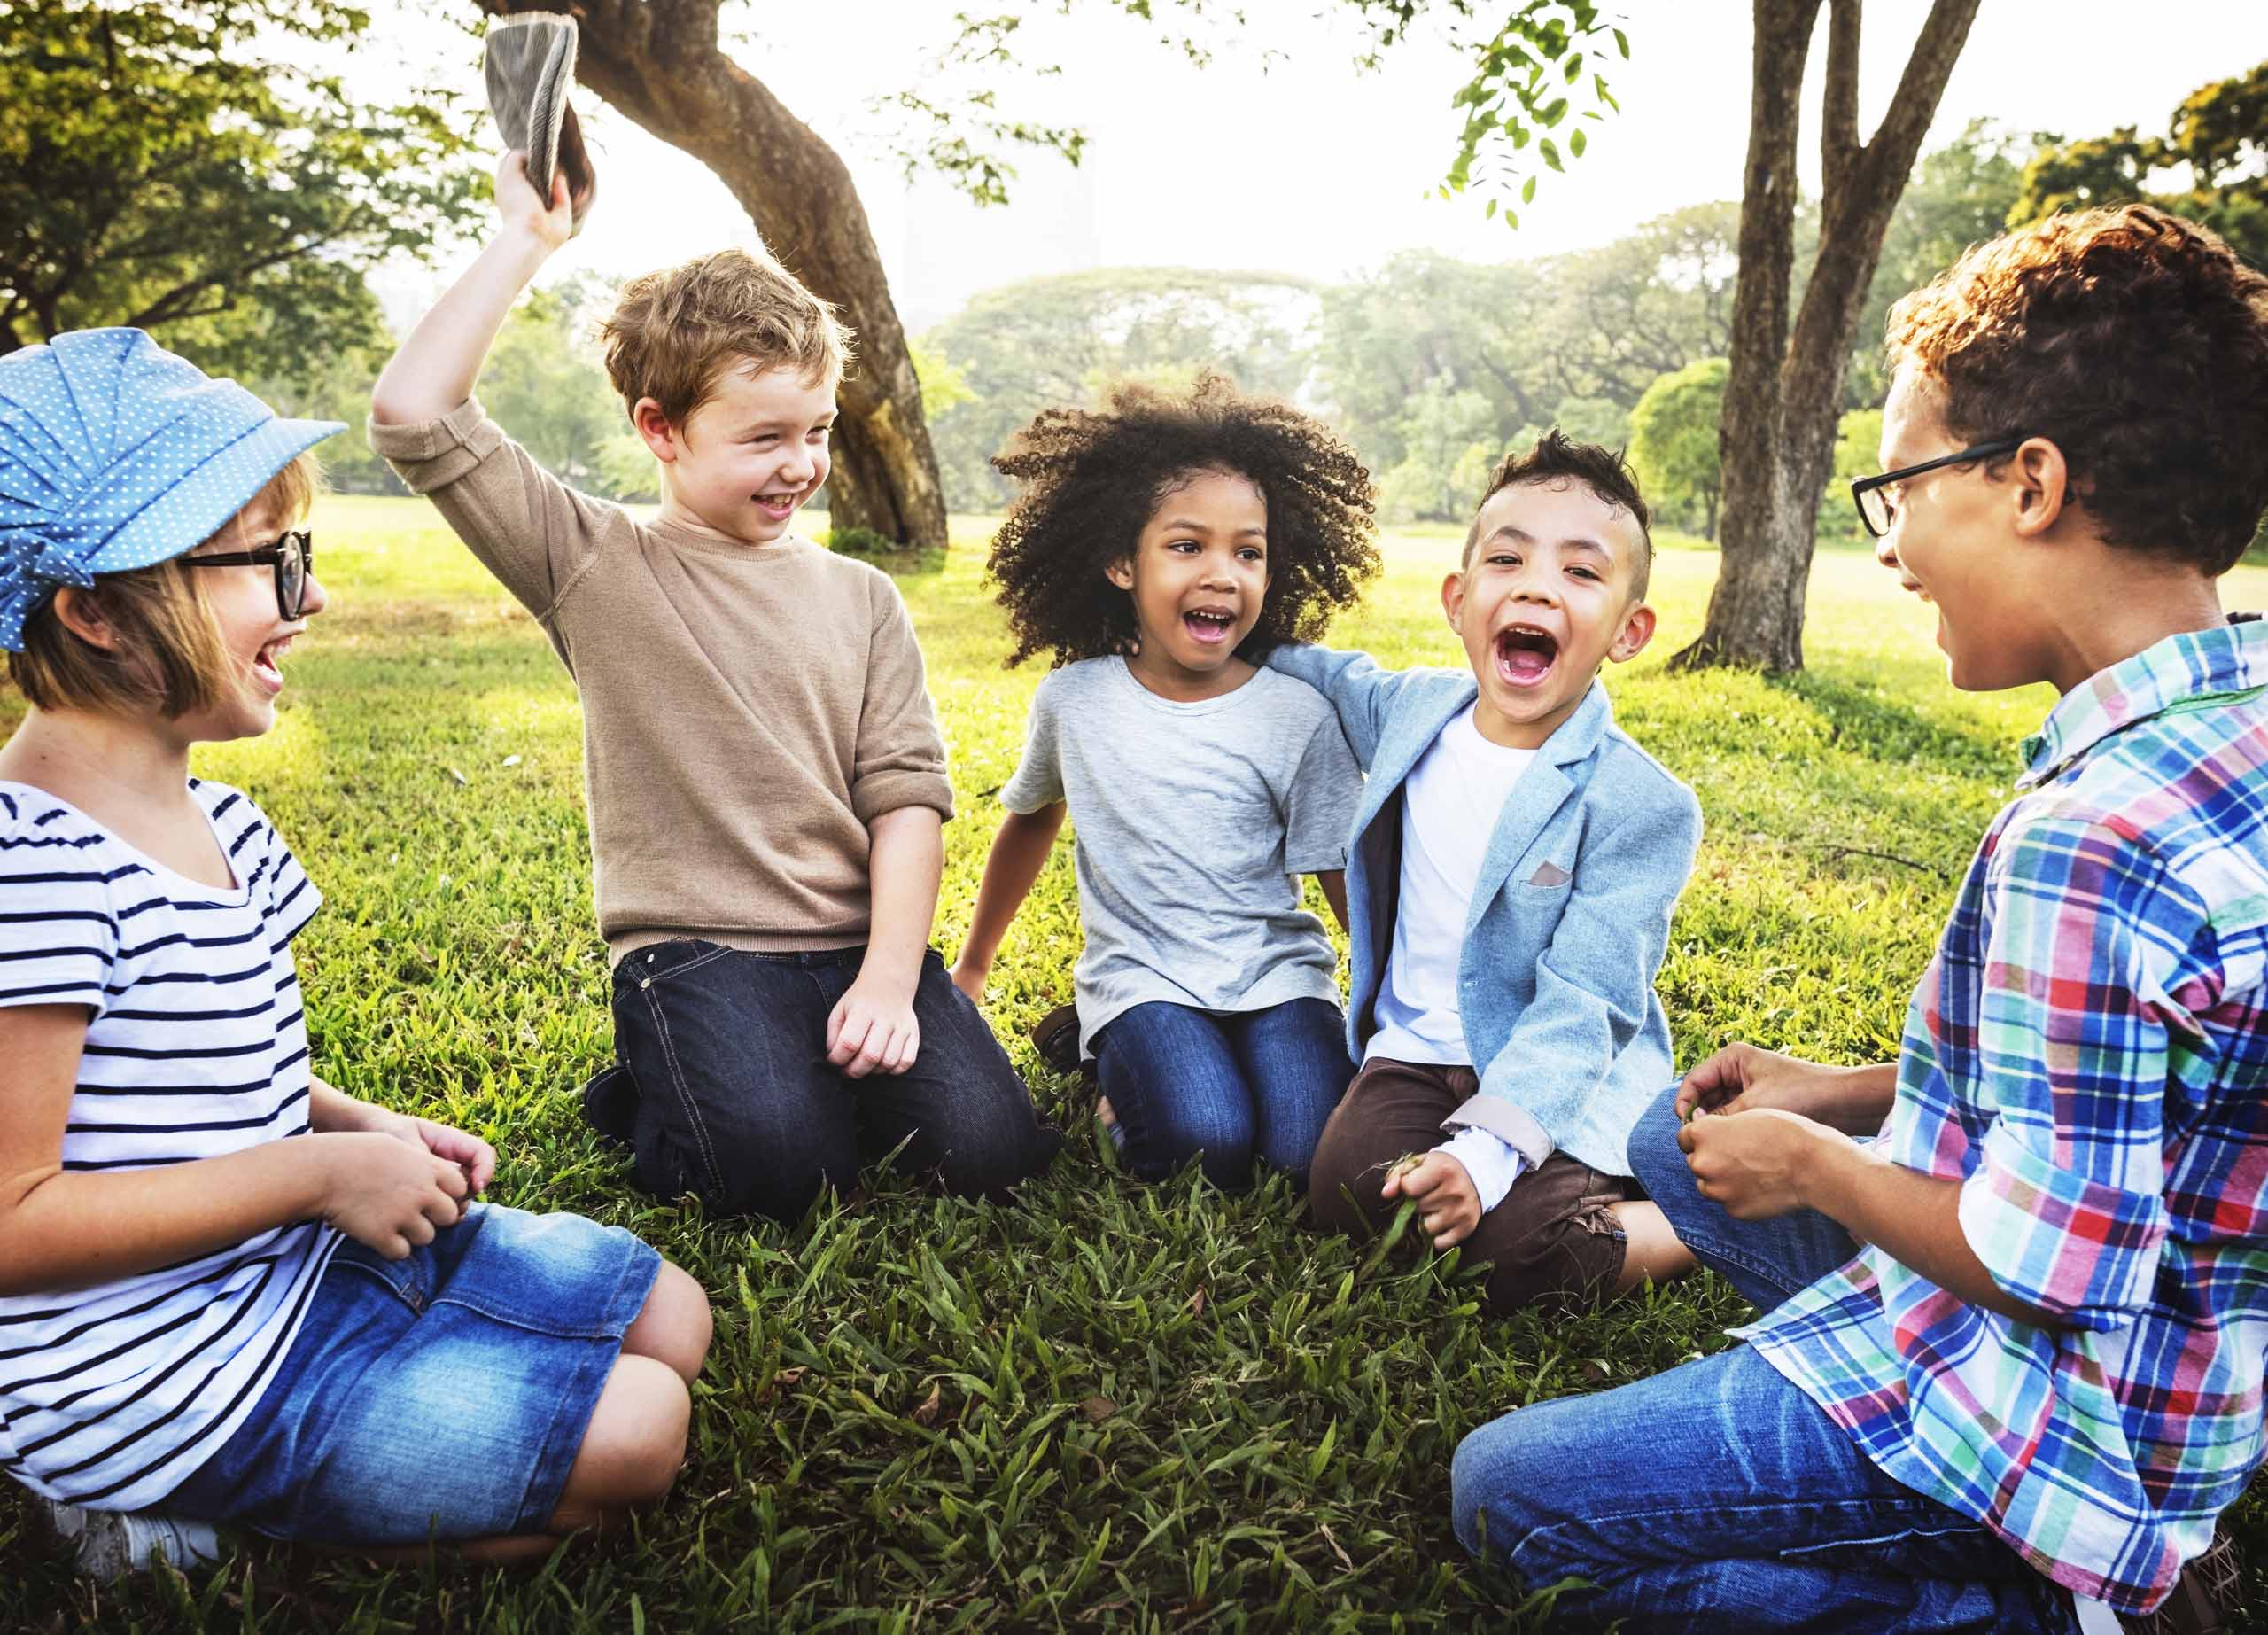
168	653
2133	340
1557	460
673	333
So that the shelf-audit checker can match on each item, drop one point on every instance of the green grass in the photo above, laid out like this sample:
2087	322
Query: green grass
1107	1405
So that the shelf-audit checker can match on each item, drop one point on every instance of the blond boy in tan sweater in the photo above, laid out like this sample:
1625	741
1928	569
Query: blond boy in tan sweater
765	775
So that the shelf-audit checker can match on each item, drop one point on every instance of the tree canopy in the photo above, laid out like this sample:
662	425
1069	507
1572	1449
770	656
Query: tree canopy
161	165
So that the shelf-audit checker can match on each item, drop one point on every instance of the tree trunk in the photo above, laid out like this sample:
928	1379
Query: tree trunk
1778	440
660	63
1709	519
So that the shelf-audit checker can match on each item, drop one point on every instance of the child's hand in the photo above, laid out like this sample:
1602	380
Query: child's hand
521	207
970	979
1447	1206
1756	1164
873	1030
471	1154
1743	1077
387	1193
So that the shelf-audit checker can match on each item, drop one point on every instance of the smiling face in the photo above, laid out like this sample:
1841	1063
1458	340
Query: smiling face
1951	544
1543	600
752	452
1198	576
254	633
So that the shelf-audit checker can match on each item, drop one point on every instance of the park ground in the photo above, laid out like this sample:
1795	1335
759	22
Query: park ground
1105	1405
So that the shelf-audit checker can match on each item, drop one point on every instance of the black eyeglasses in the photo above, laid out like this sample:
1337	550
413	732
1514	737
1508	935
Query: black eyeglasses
1879	512
293	557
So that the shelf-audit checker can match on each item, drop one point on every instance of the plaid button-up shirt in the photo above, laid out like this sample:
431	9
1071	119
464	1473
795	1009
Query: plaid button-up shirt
2087	1056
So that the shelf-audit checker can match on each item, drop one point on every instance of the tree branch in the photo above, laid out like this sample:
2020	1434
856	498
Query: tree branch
1838	129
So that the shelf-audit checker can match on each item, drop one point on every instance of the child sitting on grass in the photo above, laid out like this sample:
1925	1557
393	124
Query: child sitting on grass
1514	865
2012	1346
1158	548
767	782
227	1291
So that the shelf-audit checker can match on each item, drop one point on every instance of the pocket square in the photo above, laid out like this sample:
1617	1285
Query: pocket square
1549	874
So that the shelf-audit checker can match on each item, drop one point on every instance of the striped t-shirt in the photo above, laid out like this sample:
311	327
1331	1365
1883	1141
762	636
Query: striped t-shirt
197	1046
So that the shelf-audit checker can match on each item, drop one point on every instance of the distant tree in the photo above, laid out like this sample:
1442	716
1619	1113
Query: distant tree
1058	341
2219	137
1673	434
163	164
1449	442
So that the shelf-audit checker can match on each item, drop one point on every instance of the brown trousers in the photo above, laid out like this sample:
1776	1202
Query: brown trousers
1553	1239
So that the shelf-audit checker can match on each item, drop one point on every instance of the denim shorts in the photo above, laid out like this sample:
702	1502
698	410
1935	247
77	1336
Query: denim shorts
442	1397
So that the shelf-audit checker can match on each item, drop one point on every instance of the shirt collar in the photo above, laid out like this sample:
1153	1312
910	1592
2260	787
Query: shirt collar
2190	668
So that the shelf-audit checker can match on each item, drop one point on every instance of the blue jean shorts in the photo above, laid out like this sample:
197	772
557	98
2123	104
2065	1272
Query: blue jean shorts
443	1396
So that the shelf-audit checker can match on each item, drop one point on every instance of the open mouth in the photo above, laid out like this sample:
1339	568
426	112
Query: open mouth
1525	655
778	507
1211	626
268	664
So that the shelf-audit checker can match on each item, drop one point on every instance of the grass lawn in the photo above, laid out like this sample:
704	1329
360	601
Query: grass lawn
1107	1406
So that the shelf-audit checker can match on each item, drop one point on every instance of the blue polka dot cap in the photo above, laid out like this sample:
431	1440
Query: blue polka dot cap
115	454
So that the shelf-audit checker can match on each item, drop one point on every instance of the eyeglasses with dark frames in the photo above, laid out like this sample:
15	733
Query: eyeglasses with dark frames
1876	508
291	554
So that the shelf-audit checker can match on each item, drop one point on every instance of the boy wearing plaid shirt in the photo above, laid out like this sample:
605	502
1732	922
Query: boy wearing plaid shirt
2009	1370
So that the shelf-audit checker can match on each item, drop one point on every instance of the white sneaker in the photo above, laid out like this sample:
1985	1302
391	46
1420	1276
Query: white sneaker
111	1544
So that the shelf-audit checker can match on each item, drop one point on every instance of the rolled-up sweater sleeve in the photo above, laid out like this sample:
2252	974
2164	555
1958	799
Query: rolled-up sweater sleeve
901	754
2064	1203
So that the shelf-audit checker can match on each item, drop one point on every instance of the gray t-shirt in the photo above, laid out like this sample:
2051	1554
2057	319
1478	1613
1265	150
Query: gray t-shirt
1193	820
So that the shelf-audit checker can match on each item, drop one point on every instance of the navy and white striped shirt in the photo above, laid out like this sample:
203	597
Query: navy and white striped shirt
196	1045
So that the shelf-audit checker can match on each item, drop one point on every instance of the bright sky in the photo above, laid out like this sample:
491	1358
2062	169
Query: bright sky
1304	164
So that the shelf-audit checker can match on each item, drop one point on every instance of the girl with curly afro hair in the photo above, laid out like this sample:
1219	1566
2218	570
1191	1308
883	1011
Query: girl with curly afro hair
1160	547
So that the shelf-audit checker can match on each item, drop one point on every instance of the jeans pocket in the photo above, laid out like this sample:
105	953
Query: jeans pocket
643	967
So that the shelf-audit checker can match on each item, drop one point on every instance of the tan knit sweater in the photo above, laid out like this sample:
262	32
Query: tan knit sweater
747	710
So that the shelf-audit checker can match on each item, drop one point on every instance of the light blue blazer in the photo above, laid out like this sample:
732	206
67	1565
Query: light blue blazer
1570	914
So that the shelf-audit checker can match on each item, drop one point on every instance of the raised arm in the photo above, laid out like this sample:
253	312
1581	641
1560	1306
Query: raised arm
434	370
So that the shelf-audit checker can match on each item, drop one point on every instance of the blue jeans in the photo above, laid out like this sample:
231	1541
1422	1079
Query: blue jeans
1766	1260
723	1089
443	1395
1226	1087
1718	1496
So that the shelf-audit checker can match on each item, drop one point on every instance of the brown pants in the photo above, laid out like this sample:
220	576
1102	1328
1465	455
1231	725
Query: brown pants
1554	1237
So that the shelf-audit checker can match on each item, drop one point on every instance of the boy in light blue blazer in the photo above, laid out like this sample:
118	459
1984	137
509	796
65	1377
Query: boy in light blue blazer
1515	860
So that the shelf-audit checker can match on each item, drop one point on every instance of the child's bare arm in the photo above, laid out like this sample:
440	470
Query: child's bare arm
1019	853
67	1229
434	370
1333	882
873	1029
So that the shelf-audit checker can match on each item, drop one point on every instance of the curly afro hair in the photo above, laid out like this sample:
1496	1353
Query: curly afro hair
2136	341
1092	481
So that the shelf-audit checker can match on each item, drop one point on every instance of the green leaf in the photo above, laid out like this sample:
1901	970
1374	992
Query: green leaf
1551	151
1553	113
1621	40
1527	191
1574	67
1490	211
1577	142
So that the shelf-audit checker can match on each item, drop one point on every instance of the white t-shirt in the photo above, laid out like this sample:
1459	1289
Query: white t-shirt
196	1045
1449	807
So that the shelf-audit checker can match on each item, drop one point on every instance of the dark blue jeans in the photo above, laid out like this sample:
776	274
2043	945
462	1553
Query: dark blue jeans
722	1086
1226	1087
1718	1496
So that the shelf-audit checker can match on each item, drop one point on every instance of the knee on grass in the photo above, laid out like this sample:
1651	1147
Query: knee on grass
674	1325
633	1448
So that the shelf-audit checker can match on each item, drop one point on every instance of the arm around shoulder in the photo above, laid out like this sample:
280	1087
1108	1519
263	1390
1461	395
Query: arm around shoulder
1359	688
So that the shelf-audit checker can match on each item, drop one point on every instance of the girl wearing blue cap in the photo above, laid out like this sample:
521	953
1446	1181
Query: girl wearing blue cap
229	1292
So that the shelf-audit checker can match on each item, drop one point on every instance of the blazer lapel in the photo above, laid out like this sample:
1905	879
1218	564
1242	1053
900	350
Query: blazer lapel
1536	799
1390	771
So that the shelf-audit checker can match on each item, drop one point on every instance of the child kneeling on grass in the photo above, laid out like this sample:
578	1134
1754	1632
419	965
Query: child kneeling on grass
2012	1345
1515	861
1158	548
227	1291
767	781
